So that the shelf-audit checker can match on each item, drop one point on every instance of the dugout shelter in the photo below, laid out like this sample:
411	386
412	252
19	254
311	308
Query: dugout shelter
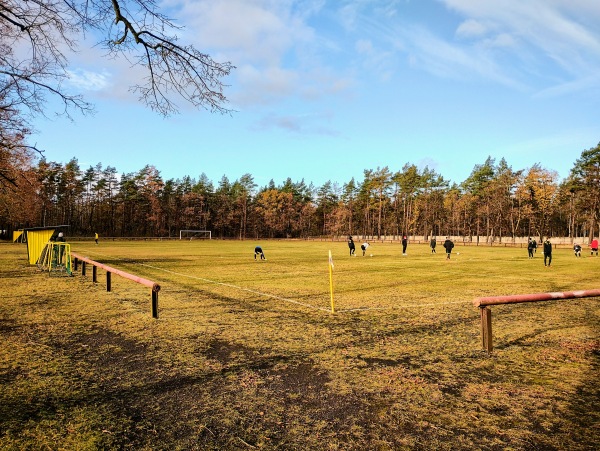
38	237
18	236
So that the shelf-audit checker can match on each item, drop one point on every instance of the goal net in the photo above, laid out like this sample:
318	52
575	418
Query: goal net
56	259
195	235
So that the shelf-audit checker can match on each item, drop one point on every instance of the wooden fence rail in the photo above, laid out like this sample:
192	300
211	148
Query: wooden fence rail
110	270
484	304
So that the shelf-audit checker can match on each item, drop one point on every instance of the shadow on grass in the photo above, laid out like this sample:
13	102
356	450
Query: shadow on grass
141	402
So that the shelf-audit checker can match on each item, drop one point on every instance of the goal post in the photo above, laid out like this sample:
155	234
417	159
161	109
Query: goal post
56	259
195	235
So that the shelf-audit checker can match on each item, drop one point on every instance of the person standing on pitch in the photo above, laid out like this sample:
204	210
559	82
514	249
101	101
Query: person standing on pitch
96	237
432	245
577	250
547	252
594	247
448	245
61	249
258	251
363	247
530	247
404	244
351	245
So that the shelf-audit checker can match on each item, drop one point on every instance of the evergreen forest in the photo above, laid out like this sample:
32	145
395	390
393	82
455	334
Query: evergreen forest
496	202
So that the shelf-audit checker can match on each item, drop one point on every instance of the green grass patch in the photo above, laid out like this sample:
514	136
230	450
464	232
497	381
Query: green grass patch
247	355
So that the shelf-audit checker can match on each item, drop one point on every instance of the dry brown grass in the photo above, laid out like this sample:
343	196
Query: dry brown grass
233	364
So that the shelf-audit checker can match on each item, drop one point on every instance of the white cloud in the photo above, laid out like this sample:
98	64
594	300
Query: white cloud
590	83
282	48
305	124
471	28
564	31
88	80
267	84
447	60
503	40
247	30
271	42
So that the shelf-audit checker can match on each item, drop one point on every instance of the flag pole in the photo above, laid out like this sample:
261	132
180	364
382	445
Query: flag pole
331	282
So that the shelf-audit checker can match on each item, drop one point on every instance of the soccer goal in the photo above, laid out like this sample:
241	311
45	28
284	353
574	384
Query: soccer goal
56	259
195	235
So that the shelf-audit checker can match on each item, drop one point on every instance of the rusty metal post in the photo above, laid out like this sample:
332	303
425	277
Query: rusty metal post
154	304
75	262
83	268
486	328
94	274
108	281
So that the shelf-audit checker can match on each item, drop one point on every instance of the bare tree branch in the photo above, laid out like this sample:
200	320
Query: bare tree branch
133	29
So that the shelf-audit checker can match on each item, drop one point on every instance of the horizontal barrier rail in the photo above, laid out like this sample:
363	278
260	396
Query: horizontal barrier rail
534	297
110	270
126	275
486	313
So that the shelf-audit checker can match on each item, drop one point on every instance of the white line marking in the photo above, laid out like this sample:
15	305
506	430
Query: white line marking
292	301
236	287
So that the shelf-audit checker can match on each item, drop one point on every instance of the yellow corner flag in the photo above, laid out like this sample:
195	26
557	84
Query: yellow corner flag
331	281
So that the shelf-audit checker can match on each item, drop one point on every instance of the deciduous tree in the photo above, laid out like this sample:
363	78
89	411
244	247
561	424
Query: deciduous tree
44	31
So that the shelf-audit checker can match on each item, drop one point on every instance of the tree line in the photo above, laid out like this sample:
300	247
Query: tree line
495	201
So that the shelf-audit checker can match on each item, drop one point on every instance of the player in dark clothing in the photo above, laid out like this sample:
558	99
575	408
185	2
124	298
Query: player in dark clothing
258	251
404	244
448	245
577	250
547	252
351	245
432	245
530	248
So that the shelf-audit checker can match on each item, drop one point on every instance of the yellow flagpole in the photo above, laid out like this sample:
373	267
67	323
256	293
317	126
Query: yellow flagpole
331	282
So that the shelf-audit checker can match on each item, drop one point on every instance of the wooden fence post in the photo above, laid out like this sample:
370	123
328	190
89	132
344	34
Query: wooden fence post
108	281
83	268
94	274
486	328
154	304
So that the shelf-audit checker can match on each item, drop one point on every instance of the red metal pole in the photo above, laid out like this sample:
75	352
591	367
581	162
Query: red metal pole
486	313
126	275
533	297
109	270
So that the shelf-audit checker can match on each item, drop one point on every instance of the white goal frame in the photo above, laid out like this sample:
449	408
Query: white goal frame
195	234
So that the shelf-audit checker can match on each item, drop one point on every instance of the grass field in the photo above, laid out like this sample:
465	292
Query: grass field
247	355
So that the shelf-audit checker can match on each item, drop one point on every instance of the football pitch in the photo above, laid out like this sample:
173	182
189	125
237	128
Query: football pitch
246	354
296	273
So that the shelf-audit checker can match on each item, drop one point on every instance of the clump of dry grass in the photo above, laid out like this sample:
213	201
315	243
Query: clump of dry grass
233	363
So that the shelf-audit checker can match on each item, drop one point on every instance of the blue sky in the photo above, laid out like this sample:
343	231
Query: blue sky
326	89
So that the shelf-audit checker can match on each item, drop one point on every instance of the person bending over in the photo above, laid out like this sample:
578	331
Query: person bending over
364	247
258	251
